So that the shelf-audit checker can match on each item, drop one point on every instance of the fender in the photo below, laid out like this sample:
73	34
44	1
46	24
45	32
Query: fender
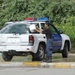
38	38
64	38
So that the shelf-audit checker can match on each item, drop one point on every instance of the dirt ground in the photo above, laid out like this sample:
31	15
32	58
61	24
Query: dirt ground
57	57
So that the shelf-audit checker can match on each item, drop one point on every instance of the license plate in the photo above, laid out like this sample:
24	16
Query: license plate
11	40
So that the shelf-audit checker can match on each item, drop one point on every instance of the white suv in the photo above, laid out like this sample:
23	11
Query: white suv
18	39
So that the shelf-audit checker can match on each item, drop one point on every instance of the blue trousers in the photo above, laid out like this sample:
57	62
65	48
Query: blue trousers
49	48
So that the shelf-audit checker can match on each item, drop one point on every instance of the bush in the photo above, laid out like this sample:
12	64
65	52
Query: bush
69	29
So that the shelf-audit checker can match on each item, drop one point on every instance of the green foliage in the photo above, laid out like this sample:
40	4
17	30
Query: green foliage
61	12
56	10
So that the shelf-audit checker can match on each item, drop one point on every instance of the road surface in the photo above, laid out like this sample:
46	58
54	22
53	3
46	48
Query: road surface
35	71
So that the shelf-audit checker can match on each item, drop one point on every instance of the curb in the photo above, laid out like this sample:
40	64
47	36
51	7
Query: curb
10	64
50	65
65	65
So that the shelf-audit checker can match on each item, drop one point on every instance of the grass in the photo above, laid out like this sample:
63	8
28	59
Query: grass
18	58
57	57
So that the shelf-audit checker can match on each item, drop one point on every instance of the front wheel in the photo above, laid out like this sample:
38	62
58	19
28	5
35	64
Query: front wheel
6	56
40	53
65	51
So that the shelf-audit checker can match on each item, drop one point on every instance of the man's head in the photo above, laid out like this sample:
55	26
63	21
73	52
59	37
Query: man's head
46	24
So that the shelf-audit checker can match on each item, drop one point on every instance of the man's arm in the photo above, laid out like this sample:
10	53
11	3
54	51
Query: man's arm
38	30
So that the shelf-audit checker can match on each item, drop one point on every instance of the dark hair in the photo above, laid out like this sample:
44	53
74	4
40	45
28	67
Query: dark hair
47	23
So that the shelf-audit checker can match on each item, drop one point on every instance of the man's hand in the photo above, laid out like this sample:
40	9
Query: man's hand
38	30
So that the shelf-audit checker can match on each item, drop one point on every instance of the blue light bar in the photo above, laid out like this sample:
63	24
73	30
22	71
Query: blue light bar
43	19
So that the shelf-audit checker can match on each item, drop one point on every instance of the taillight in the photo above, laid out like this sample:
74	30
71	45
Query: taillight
31	40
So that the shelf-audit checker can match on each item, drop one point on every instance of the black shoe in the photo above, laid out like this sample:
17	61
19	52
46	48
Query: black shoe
49	61
46	60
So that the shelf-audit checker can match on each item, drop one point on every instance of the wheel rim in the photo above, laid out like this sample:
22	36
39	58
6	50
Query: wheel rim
41	52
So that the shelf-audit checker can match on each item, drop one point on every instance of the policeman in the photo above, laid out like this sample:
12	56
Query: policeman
49	43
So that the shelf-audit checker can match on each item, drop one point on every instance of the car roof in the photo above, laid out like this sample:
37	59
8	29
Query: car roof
22	22
36	22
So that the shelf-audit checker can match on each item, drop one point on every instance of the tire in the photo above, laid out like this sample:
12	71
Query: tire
65	51
40	55
6	56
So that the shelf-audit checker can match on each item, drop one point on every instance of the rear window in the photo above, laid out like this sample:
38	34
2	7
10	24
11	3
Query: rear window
15	28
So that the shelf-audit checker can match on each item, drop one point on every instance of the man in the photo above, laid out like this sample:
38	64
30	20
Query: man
48	33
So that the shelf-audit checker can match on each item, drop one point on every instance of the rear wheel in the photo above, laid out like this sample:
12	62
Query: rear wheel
65	51
6	56
40	53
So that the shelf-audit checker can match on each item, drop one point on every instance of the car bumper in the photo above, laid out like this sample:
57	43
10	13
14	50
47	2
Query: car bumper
16	48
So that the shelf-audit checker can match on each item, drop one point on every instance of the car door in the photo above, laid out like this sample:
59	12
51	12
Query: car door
15	35
57	39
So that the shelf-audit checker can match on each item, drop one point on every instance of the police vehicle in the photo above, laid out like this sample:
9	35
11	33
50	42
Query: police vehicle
19	39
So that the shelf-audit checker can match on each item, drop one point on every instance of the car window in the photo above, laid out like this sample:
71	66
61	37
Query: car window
17	28
53	30
37	26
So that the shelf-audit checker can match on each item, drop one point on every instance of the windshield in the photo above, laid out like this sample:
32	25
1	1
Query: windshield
15	28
